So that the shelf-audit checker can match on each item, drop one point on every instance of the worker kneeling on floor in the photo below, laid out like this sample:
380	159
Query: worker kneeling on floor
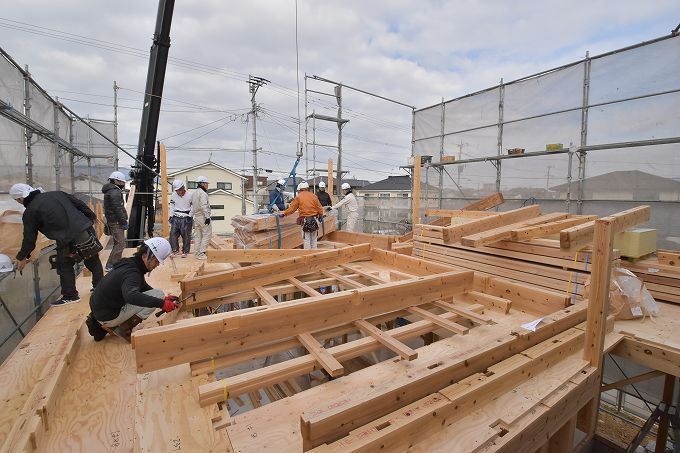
123	298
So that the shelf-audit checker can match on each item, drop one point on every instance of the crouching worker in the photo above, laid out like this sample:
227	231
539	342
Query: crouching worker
123	298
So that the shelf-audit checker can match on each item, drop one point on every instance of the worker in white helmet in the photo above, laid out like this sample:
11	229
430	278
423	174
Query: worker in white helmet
116	216
202	226
181	218
123	298
323	196
277	197
350	201
310	212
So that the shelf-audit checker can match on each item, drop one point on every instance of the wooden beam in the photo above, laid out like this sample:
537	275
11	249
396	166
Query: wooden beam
329	189
165	218
462	213
486	203
213	286
380	241
415	215
264	295
387	340
464	312
546	229
505	232
305	288
662	432
454	233
651	355
631	380
224	333
342	279
668	257
254	255
563	440
582	235
365	274
492	302
321	354
440	321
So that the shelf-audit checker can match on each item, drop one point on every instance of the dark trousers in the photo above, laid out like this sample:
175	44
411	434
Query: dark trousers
67	274
118	236
181	226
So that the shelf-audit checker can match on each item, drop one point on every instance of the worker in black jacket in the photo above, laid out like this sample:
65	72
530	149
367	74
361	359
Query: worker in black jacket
116	216
323	196
68	221
123	296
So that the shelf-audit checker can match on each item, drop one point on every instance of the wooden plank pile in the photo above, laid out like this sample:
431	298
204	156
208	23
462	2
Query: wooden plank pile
268	231
661	278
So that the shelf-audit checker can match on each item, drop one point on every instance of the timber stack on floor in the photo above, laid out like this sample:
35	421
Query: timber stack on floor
268	231
661	274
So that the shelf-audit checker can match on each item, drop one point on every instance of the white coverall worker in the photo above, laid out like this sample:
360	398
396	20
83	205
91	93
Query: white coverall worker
202	225
352	208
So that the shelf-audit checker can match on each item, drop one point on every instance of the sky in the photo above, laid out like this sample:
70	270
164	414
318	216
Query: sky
415	52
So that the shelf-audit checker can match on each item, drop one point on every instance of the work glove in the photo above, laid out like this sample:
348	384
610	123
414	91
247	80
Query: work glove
281	214
329	208
170	303
125	226
207	221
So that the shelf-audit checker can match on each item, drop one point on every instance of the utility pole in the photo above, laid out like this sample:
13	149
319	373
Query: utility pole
547	181
338	96
27	133
254	83
115	123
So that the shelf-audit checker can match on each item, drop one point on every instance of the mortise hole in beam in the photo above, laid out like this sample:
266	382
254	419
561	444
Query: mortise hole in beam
488	373
434	365
503	432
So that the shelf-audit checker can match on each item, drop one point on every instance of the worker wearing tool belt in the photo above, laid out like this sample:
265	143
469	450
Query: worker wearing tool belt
181	218
310	212
202	228
123	298
116	216
352	207
68	221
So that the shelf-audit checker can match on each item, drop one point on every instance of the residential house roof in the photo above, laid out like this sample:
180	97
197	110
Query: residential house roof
402	183
184	170
625	180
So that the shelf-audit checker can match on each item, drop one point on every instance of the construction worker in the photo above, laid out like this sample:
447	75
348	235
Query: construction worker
66	220
123	298
352	207
181	214
323	196
309	210
202	227
116	216
276	197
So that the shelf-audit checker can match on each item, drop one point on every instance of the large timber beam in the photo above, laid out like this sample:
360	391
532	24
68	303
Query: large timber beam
546	229
579	236
213	286
254	255
505	232
454	233
219	334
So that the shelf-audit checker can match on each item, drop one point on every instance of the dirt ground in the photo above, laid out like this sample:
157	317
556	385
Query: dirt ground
619	430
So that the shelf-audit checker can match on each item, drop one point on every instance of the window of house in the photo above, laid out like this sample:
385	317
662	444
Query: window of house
367	195
384	195
216	206
192	185
224	185
404	195
216	217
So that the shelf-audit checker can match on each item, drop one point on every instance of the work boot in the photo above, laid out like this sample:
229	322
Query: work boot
95	328
124	330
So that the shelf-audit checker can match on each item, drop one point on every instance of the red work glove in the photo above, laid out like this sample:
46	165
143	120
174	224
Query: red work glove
170	303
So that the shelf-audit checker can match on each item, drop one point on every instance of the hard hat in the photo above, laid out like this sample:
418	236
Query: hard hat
303	185
322	185
6	264
345	186
117	175
201	179
281	182
177	184
20	190
160	247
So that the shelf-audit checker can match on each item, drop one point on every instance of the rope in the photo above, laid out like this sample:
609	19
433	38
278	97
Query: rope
225	394
278	232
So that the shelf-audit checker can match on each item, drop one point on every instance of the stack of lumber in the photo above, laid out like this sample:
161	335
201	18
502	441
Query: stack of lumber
661	278
267	231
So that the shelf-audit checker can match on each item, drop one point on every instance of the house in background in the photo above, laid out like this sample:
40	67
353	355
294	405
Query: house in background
226	199
631	185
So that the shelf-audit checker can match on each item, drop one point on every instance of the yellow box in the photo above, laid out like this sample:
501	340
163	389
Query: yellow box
636	243
554	147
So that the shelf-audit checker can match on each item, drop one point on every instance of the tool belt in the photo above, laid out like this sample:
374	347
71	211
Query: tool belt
87	245
309	224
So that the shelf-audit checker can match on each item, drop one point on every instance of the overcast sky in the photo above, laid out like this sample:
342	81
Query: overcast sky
417	52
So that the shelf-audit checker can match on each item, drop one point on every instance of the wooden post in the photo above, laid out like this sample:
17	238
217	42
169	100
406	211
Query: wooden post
563	440
415	217
100	216
329	189
598	307
662	433
164	191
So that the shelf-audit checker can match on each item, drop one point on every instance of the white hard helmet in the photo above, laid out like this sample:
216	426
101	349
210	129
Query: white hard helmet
177	184
201	179
303	185
20	190
160	247
6	264
322	185
345	186
281	182
117	175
